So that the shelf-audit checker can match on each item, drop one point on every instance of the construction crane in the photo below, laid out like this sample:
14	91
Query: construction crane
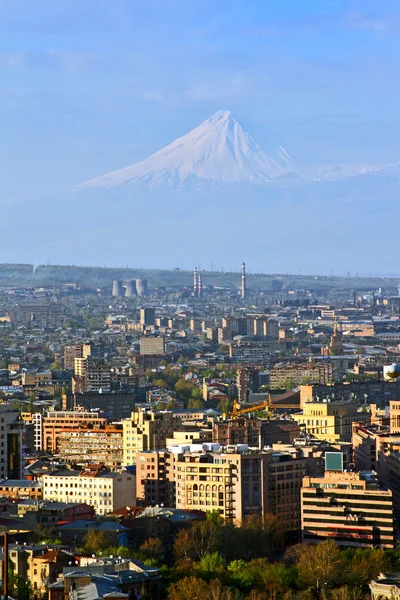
237	411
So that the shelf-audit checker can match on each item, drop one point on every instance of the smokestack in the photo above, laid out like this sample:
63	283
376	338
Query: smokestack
195	281
199	287
243	280
130	290
117	289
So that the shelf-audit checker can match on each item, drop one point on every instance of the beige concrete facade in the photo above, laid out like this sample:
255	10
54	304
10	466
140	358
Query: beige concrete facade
349	508
146	431
105	491
331	421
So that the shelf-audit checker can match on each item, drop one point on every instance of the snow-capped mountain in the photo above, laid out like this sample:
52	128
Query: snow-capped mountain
215	194
218	151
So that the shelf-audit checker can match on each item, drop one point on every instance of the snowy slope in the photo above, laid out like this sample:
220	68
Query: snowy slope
217	151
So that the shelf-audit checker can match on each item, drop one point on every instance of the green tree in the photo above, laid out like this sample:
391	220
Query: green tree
288	384
152	549
193	543
196	403
192	588
95	541
320	564
212	563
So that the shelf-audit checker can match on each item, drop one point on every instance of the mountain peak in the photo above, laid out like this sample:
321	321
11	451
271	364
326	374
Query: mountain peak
220	115
218	151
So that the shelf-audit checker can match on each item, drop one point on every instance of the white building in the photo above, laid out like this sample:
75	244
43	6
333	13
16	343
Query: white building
105	490
37	421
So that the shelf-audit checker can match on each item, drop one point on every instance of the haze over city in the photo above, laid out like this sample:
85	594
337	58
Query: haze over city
88	89
199	300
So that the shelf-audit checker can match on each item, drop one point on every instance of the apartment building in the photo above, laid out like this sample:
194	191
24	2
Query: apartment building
52	424
21	489
320	372
37	312
75	351
252	352
12	443
247	381
151	345
257	433
33	379
371	445
93	374
370	392
239	482
146	430
114	405
105	490
92	445
331	421
350	508
147	316
155	478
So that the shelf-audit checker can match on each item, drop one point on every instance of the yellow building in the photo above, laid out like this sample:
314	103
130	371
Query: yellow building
146	431
331	421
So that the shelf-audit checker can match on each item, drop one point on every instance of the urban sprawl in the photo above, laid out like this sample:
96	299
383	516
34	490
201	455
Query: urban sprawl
197	441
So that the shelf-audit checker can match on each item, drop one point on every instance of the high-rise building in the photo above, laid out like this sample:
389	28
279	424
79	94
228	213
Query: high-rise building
147	316
146	431
238	483
349	508
152	345
247	382
94	374
75	351
12	443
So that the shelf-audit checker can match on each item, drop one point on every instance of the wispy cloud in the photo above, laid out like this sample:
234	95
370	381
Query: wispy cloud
66	61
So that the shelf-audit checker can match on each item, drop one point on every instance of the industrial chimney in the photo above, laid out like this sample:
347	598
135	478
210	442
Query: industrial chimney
243	281
195	281
199	287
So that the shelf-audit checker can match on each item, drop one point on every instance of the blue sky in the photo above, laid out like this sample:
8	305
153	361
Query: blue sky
88	86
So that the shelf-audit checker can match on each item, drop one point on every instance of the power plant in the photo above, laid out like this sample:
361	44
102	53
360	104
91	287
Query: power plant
243	294
141	287
117	289
130	290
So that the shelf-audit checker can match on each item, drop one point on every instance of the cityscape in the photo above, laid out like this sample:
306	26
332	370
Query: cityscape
162	440
199	300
